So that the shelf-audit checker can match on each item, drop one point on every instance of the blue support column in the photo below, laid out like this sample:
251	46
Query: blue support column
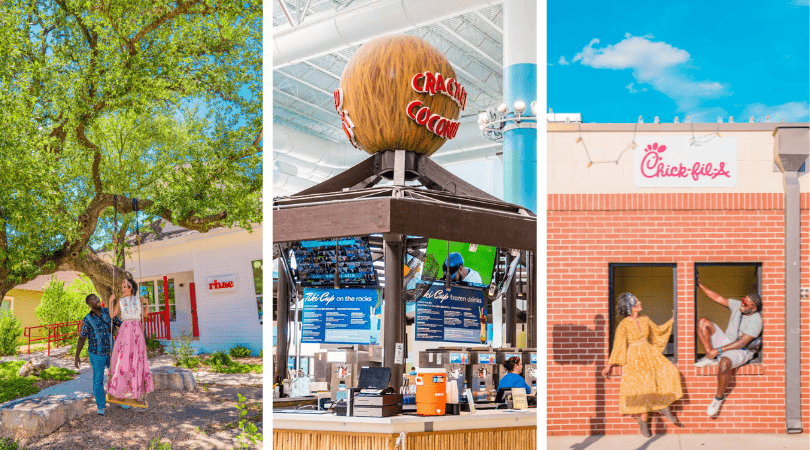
520	83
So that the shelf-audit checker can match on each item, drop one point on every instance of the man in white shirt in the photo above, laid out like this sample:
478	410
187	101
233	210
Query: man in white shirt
727	349
458	272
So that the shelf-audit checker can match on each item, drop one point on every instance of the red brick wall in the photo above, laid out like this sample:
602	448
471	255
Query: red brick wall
805	263
588	232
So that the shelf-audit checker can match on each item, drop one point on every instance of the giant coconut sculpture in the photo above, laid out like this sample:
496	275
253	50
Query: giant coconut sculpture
399	93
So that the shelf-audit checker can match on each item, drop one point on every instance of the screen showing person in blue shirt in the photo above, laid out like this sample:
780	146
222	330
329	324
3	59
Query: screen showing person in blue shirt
513	378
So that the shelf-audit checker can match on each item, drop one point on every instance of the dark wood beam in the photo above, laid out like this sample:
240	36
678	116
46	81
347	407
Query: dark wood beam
433	174
329	220
346	179
417	218
407	217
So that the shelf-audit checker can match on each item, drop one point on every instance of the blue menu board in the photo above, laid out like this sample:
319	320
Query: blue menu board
341	316
457	315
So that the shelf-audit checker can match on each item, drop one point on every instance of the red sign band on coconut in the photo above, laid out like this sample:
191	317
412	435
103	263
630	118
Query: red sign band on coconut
345	121
348	126
338	99
429	83
441	126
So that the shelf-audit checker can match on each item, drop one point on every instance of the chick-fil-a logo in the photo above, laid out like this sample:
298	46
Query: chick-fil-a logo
653	166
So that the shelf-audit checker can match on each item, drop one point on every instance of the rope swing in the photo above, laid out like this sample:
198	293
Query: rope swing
110	398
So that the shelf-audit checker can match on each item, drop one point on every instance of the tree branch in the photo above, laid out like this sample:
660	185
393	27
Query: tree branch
182	8
96	173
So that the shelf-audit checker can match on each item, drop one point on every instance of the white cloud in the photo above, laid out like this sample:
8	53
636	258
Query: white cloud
800	3
708	115
563	61
657	64
633	90
789	112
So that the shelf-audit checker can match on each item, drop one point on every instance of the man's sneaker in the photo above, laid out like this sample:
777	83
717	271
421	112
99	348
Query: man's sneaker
714	407
100	412
125	406
703	362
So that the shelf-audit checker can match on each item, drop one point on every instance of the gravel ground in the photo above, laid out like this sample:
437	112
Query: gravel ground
185	419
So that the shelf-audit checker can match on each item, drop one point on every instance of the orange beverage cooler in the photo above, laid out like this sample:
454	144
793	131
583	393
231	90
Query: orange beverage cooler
431	392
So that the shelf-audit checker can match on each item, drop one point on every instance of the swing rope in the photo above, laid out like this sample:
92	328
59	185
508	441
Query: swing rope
110	306
110	398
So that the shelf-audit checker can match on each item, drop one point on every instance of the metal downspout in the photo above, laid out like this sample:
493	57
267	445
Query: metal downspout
791	147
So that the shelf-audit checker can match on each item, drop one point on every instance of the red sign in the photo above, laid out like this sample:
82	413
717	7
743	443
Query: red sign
221	283
437	124
428	83
432	84
218	285
345	121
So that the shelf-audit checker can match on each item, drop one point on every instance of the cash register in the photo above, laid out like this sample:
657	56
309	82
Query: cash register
372	397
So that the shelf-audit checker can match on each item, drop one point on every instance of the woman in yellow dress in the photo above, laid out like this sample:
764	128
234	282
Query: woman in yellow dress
649	381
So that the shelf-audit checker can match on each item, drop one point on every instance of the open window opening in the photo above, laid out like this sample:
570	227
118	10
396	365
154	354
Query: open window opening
654	285
731	280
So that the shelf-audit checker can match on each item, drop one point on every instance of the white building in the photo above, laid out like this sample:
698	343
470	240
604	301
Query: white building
214	282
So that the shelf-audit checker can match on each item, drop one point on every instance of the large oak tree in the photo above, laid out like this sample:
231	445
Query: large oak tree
106	101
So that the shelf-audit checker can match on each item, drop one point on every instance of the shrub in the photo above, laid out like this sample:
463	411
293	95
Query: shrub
192	363
10	332
182	351
249	432
74	343
240	351
239	368
64	304
155	444
153	344
10	444
220	359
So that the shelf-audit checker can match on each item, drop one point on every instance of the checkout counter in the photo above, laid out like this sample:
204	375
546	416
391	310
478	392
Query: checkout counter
310	429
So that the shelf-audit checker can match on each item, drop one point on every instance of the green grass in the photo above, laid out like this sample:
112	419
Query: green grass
13	386
238	368
10	444
220	362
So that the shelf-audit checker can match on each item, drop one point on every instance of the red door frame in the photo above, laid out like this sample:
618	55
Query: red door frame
195	330
166	304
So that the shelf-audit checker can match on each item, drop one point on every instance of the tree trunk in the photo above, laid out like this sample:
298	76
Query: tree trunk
100	272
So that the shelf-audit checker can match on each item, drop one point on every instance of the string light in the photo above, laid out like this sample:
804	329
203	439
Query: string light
630	145
698	141
695	141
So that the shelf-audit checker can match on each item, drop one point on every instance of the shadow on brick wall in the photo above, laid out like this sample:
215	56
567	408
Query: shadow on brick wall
583	345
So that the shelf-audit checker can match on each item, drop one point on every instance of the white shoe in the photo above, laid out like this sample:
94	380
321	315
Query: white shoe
703	362
714	407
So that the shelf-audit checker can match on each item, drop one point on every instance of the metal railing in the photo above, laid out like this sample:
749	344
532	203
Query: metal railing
155	325
54	333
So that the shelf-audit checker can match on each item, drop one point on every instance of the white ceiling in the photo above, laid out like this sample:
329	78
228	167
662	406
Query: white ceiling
302	93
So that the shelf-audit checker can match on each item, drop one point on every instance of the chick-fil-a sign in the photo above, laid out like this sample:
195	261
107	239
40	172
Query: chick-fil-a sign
663	161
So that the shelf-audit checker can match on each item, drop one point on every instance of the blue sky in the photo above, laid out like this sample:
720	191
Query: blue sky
616	61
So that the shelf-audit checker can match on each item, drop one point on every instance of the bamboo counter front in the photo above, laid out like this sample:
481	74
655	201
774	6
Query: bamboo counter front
482	430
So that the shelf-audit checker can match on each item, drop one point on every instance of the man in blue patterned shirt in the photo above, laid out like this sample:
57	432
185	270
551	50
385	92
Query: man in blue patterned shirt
96	327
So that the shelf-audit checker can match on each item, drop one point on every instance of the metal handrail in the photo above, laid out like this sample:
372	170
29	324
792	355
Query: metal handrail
154	324
54	333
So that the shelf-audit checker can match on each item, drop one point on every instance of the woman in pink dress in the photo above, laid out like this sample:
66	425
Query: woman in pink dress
130	377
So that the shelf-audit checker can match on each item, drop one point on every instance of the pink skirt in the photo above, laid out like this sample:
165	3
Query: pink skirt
131	377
